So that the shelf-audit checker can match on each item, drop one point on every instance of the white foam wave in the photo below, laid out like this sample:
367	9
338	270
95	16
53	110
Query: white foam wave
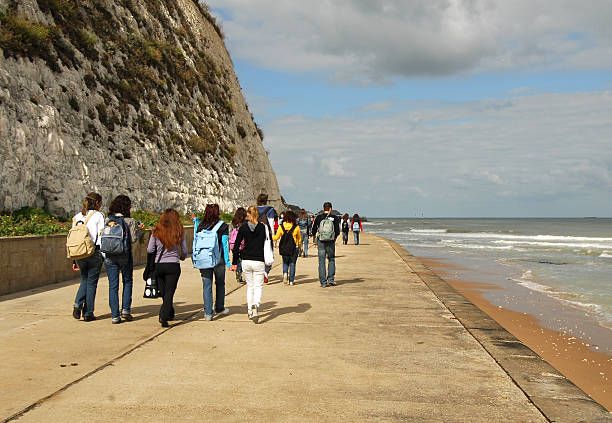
606	254
554	244
454	244
375	223
429	231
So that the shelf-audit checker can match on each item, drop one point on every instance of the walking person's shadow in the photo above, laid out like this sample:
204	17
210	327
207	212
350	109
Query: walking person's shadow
267	311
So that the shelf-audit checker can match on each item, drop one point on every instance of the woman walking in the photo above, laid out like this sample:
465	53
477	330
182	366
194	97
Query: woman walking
212	222
89	267
304	224
345	228
290	238
237	221
254	235
357	227
168	243
119	214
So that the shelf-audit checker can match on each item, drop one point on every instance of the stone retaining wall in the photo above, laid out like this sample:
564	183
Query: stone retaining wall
32	261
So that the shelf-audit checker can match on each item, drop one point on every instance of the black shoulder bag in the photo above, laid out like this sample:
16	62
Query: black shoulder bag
151	289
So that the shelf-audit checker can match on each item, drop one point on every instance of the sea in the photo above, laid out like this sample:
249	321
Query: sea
568	261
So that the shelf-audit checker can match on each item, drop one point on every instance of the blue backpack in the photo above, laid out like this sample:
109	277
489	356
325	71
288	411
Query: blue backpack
206	252
114	239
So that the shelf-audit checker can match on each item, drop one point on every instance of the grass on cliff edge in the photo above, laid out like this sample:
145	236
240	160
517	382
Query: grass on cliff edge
36	221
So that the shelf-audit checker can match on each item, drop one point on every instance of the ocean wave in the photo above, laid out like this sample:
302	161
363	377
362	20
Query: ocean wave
429	231
606	254
597	310
453	244
376	223
581	245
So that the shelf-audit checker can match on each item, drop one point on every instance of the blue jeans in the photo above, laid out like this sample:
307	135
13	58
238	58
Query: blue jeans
327	249
305	240
114	265
289	266
90	268
356	237
207	277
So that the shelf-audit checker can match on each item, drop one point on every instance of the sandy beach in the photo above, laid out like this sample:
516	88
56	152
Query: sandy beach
575	358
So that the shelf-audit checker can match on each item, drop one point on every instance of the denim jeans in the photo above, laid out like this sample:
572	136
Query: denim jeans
344	238
305	240
327	249
207	277
90	268
289	266
356	237
114	265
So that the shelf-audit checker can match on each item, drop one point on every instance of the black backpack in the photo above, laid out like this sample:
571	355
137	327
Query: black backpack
286	246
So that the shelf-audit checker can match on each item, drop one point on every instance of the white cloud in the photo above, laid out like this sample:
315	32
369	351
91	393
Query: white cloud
375	39
447	158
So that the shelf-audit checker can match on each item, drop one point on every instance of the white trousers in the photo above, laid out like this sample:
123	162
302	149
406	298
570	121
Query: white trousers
253	272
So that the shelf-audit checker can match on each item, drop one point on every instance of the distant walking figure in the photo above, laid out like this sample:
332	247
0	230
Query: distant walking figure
345	228
357	227
325	230
89	266
267	215
254	234
290	239
168	243
305	224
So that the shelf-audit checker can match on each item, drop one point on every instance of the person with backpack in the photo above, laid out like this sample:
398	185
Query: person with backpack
168	243
290	238
356	227
345	228
254	234
325	231
237	221
267	215
304	224
83	246
211	256
119	233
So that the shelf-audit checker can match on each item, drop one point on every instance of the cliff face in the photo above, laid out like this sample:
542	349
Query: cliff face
123	96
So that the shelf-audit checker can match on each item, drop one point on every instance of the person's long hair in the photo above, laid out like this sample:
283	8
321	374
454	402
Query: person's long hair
253	214
303	214
211	215
345	216
169	230
92	201
239	217
356	218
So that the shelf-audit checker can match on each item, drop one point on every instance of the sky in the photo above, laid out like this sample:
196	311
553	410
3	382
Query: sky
435	108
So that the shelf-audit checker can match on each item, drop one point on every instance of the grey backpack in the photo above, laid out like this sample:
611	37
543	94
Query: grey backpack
326	230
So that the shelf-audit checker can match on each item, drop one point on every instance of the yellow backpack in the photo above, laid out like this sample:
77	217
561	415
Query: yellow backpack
78	243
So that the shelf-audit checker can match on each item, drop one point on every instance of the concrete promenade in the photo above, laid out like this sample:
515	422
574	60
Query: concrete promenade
391	342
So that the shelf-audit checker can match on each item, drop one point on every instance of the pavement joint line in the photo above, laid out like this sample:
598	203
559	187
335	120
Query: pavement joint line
402	253
188	319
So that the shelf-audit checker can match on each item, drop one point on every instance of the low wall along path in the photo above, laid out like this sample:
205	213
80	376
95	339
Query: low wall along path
390	342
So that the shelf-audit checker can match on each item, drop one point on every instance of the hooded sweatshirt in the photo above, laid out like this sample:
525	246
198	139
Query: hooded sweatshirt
254	236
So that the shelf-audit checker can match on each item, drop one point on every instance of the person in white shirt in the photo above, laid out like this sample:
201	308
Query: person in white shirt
91	266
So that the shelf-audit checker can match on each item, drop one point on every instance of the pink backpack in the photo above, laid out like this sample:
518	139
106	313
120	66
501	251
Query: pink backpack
232	239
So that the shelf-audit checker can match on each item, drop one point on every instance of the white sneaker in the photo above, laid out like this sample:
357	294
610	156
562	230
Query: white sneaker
254	314
285	278
250	313
223	312
291	283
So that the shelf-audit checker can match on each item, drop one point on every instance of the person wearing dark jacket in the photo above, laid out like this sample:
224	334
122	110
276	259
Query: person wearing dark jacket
254	235
325	230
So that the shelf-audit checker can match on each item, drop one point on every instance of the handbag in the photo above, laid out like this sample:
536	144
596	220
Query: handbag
268	250
151	290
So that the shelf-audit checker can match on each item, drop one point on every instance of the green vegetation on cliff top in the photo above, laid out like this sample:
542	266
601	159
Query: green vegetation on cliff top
36	221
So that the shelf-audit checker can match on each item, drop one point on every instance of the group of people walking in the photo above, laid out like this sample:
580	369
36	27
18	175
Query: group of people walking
250	241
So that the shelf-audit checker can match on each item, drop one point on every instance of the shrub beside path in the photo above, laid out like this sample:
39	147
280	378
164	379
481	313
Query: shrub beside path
379	346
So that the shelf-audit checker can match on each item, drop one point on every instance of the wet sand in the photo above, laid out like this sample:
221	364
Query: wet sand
575	358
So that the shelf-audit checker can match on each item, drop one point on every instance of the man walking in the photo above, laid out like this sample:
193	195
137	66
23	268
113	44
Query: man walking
325	230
